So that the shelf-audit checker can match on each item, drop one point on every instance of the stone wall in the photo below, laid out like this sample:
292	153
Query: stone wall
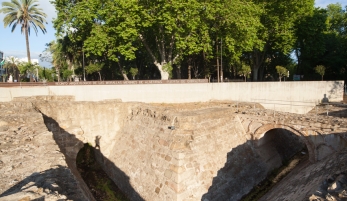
156	153
160	151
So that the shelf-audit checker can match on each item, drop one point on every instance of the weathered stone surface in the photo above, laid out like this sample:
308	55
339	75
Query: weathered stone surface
209	151
324	180
31	164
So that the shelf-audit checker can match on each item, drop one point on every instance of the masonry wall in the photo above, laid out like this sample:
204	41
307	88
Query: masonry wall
162	155
296	97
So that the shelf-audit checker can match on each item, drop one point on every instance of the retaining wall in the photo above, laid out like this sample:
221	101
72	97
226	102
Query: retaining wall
295	97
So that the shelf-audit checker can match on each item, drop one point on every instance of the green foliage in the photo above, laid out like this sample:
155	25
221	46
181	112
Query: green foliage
320	69
93	68
161	34
245	71
168	68
11	64
46	73
26	14
134	72
278	33
67	73
282	71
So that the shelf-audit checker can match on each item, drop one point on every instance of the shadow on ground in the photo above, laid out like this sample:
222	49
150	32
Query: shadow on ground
59	179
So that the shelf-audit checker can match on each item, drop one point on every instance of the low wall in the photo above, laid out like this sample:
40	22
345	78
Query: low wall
295	97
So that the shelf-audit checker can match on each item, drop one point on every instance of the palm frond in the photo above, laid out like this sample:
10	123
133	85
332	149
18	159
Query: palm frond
25	13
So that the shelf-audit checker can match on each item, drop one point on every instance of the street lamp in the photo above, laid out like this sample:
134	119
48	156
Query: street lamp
84	72
221	60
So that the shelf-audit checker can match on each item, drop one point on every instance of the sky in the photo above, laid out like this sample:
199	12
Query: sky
13	43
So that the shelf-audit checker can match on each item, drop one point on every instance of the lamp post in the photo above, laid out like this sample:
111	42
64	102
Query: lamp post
84	72
221	60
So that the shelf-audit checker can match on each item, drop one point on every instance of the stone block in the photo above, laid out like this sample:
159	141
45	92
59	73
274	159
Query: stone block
189	174
168	174
177	169
178	155
175	187
157	190
163	142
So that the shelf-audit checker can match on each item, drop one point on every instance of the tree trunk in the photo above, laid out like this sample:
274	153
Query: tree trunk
217	61
258	58
178	71
99	76
125	77
255	73
58	74
221	61
261	73
221	71
164	75
189	72
28	49
27	44
165	58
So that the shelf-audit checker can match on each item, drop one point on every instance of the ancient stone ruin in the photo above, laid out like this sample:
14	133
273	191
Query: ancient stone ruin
217	150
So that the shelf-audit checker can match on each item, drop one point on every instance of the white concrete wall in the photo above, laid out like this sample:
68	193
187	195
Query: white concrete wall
296	97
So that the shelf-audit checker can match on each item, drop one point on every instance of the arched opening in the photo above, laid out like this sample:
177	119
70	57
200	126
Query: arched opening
98	182
278	146
281	149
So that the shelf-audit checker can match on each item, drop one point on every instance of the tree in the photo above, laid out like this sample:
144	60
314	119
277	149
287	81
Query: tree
26	14
235	24
29	69
95	68
102	30
11	65
245	71
67	74
320	69
282	71
278	34
310	44
134	72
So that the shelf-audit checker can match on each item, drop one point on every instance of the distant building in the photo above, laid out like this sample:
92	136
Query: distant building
25	59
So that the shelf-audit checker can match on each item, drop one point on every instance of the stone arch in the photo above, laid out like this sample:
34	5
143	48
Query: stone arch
262	130
253	126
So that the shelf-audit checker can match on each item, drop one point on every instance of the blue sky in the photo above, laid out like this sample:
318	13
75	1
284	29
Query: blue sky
13	44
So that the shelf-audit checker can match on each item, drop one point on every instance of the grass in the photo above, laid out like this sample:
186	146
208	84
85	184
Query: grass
101	186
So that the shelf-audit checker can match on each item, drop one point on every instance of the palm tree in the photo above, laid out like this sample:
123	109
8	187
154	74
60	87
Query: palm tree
12	66
25	13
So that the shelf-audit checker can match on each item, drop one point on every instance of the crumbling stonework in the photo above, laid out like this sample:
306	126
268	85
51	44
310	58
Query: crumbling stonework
208	151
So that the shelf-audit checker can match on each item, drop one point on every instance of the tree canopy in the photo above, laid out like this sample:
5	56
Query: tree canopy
198	39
